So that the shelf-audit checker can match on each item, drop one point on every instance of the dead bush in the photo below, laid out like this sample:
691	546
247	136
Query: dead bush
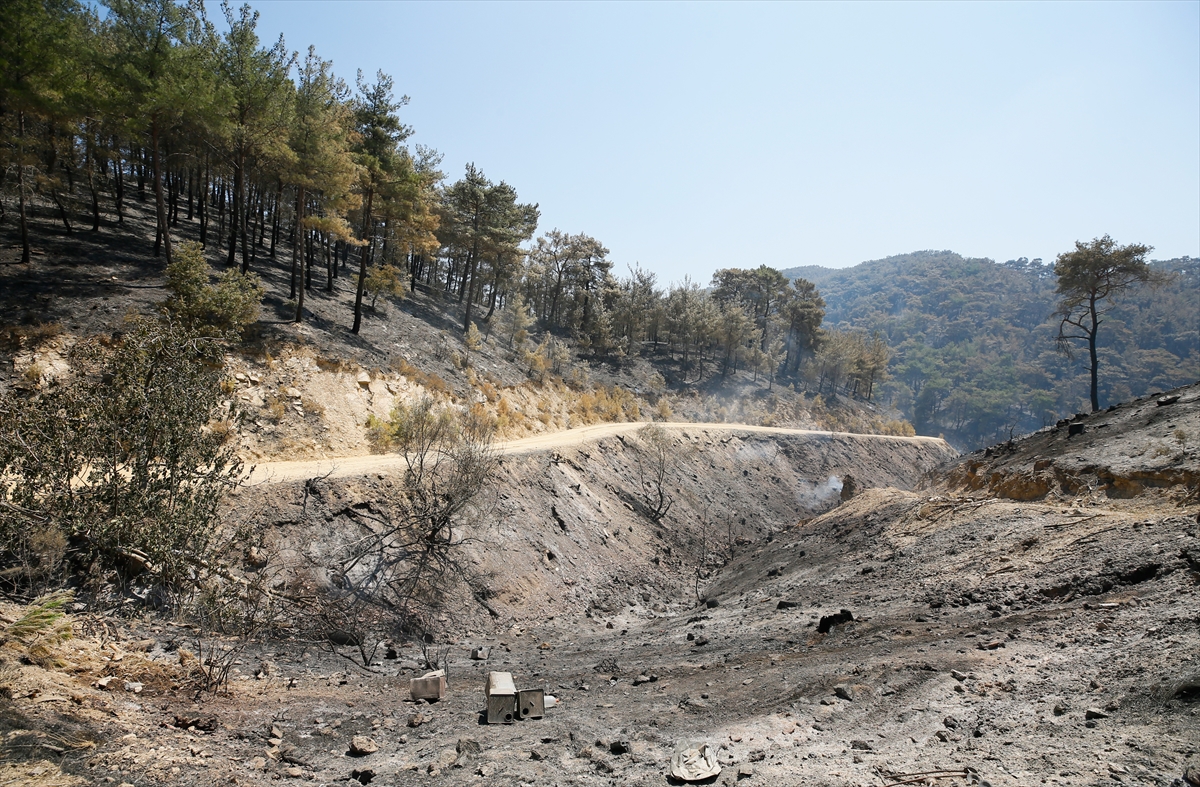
16	337
312	406
276	407
393	572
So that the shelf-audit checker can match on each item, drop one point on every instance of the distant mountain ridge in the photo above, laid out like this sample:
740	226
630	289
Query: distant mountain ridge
974	355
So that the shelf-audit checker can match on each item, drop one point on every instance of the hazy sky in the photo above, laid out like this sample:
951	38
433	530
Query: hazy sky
690	137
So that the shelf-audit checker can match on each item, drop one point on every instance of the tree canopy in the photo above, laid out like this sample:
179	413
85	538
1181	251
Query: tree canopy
1089	279
973	341
235	141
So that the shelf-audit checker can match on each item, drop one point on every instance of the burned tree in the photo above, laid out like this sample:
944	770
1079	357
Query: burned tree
657	461
395	573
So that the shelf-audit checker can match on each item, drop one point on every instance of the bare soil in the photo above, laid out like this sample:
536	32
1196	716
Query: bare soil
993	640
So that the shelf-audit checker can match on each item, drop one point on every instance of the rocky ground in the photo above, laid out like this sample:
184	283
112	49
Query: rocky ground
1008	639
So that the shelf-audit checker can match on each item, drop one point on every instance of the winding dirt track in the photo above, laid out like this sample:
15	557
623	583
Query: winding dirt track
341	467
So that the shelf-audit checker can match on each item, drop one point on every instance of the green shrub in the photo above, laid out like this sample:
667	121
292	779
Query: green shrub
386	280
226	308
117	464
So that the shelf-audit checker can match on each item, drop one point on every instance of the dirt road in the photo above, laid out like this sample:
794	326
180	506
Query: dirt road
342	467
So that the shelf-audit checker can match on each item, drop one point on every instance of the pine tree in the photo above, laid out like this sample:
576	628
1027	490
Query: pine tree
320	164
152	82
516	320
483	224
34	69
383	163
258	94
1089	279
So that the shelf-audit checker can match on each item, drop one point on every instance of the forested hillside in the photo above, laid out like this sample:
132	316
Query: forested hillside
973	341
129	129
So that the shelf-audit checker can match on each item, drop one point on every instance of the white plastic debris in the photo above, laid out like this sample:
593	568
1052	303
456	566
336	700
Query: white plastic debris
694	761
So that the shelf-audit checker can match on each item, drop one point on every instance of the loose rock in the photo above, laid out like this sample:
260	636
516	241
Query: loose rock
836	619
361	745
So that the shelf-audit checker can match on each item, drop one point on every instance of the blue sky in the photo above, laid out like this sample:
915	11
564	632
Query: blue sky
693	136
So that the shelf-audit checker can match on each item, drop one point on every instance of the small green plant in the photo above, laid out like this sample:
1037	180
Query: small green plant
227	308
386	280
515	321
472	340
42	626
378	434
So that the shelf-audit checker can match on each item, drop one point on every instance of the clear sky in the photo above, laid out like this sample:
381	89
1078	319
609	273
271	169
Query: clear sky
693	136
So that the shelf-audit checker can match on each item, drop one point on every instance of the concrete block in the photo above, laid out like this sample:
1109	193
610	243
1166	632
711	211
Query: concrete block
531	703
501	709
501	694
427	688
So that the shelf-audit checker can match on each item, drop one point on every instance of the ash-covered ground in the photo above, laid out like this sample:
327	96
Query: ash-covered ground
999	634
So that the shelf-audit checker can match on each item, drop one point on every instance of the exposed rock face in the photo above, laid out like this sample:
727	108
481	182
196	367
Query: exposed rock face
574	520
1123	452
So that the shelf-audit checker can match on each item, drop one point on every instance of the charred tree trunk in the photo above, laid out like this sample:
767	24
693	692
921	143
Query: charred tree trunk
119	190
160	207
21	210
202	206
295	251
276	209
90	160
308	253
329	266
362	268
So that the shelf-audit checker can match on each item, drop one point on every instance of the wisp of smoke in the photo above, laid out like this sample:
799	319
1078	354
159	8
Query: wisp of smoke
818	495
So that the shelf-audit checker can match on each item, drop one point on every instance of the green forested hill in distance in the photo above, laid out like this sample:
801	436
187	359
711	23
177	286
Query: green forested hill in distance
973	351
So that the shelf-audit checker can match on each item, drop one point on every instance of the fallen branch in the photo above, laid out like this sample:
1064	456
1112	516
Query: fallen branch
928	776
1061	525
1088	536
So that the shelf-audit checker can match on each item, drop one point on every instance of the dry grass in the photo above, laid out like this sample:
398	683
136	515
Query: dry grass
276	407
333	364
663	409
225	429
33	372
40	629
40	773
14	337
489	391
431	382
